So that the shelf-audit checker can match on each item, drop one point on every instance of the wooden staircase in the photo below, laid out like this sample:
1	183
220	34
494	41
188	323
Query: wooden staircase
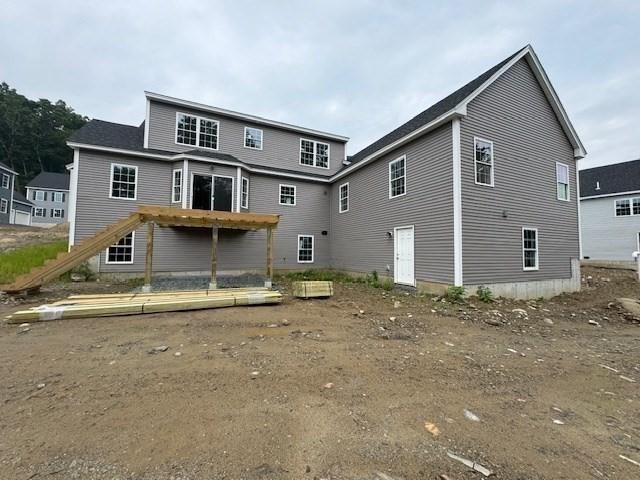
78	254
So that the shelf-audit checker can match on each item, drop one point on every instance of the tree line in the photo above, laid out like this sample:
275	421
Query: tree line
33	134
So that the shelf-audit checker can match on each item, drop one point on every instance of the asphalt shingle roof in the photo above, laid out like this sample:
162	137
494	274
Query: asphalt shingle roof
616	178
59	181
18	197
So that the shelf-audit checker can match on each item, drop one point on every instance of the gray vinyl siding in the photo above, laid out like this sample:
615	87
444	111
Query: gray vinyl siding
6	194
281	148
359	240
49	205
528	140
605	236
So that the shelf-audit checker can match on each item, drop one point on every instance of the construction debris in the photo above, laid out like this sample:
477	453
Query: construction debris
629	460
432	428
472	465
312	289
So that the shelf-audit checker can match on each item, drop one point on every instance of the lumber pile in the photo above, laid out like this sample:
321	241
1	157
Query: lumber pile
312	289
82	306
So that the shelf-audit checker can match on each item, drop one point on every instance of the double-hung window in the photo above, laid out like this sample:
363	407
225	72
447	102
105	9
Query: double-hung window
57	213
287	195
124	180
530	249
39	196
628	207
244	193
314	154
5	180
58	197
4	205
305	248
344	197
562	181
39	212
122	250
196	131
253	138
483	161
398	177
176	188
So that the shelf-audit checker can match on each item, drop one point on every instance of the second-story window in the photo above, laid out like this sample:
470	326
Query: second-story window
344	198
398	177
39	196
5	180
196	131
253	138
314	154
244	197
176	191
562	181
628	207
187	130
124	179
58	197
483	161
287	194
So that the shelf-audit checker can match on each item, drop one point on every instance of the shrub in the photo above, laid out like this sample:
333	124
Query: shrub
484	294
455	294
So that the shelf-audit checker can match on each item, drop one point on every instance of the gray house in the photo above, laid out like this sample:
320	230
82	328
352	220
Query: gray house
7	186
479	189
49	193
610	213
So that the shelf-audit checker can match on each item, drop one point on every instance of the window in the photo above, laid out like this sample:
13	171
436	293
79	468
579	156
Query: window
196	131
57	213
40	196
122	251
287	194
627	207
397	177
244	193
58	197
4	205
176	190
124	179
344	197
530	249
483	161
562	180
253	138
39	212
305	248
314	154
5	181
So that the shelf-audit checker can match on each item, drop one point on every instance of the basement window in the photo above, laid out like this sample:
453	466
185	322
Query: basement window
287	195
344	197
314	154
124	180
122	251
176	189
483	161
562	181
305	248
530	248
398	177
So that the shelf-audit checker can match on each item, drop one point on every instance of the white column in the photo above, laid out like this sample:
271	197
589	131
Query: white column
457	204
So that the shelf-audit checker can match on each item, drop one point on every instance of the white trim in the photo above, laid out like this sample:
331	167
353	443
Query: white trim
238	191
49	189
295	195
537	267
173	185
340	210
135	186
13	189
213	187
604	195
185	176
475	162
568	183
243	116
7	169
313	248
404	159
315	153
198	119
242	182
395	256
8	177
457	203
244	140
146	124
133	249
4	205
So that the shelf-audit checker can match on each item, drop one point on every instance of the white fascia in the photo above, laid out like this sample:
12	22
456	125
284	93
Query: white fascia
457	203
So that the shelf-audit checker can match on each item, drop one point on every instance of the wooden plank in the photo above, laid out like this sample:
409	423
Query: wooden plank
312	289
167	292
148	266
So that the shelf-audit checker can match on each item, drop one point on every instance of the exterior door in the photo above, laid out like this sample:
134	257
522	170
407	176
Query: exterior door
201	196
21	218
222	193
403	271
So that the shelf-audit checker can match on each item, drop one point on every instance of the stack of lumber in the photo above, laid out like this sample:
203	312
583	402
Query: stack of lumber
81	306
312	289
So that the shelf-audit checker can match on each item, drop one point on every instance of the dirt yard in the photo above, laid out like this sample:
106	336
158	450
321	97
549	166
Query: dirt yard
13	236
367	385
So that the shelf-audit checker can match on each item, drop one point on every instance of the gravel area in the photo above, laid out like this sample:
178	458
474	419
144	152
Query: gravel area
161	284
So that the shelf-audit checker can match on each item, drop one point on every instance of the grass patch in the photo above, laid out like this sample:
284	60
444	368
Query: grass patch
370	279
22	260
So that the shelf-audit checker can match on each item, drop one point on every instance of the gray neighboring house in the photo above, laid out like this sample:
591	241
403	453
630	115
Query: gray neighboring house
610	213
49	192
479	189
7	187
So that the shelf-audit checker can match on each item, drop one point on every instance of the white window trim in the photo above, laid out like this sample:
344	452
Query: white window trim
568	184
315	153
340	210
55	196
6	178
58	210
475	163
39	193
173	185
261	138
615	207
35	212
198	118
135	185
4	205
133	249
313	249
402	158
537	267
244	202
295	195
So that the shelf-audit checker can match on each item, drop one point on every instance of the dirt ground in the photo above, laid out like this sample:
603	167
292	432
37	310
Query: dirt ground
12	236
338	394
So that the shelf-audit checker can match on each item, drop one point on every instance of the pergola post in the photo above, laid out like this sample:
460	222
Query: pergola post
213	284
269	280
148	267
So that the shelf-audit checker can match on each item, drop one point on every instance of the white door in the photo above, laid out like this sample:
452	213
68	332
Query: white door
21	218
403	256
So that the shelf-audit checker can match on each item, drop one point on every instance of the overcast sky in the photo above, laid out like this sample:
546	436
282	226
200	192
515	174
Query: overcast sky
357	68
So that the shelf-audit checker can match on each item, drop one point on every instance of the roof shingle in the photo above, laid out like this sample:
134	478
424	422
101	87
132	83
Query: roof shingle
610	179
56	181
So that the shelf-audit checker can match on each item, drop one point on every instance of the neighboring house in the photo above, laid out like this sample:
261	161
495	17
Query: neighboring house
21	210
7	186
479	189
49	193
610	213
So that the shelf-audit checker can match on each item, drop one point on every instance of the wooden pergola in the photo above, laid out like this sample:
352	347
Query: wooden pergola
213	219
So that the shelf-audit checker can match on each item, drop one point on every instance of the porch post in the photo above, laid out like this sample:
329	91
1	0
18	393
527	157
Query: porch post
269	280
148	267
213	284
